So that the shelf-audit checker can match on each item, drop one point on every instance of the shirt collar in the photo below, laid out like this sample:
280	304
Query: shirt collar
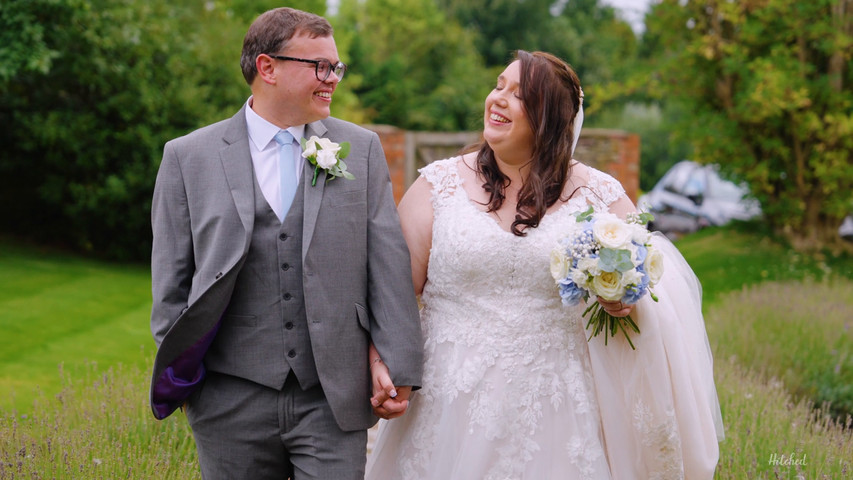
262	132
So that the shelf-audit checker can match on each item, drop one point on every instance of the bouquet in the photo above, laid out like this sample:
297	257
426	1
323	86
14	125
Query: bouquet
604	256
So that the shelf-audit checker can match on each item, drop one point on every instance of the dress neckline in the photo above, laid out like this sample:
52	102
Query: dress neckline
470	202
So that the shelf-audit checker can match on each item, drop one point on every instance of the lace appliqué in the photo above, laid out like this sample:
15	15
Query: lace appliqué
584	455
444	178
604	188
660	437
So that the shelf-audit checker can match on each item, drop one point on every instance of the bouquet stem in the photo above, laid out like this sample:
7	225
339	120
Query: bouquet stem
600	321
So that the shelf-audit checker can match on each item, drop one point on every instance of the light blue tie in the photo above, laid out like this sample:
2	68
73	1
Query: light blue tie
286	170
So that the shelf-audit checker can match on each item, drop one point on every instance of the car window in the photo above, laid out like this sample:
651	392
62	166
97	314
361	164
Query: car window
724	189
695	184
677	177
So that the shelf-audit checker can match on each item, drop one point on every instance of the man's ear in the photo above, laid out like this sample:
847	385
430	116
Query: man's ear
266	68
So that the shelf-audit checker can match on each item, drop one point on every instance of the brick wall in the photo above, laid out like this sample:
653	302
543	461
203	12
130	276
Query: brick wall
615	152
394	143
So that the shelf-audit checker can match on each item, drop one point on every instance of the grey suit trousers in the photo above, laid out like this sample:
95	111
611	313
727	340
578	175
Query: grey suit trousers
291	431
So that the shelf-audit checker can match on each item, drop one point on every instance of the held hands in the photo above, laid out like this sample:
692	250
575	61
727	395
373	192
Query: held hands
617	308
388	402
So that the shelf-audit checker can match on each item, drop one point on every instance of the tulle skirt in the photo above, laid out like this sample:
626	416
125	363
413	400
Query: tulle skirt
655	413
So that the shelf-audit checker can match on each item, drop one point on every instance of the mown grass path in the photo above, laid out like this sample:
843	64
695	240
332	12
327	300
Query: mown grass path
57	309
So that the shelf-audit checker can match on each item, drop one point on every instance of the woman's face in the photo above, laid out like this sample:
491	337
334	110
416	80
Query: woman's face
506	127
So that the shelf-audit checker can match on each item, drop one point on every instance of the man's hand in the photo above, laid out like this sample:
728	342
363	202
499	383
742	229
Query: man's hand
388	401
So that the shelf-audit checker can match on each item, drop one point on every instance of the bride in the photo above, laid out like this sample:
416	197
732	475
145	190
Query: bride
512	389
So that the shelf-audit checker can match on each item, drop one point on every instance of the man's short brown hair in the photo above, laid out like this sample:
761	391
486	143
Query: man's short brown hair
271	31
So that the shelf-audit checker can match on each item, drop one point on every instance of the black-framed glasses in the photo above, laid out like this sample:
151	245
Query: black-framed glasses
322	68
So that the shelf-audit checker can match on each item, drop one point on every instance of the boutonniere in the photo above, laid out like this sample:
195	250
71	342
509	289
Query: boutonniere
326	155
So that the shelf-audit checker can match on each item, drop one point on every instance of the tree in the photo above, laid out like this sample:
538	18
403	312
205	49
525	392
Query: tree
501	26
246	11
586	34
411	66
428	64
85	122
599	45
768	82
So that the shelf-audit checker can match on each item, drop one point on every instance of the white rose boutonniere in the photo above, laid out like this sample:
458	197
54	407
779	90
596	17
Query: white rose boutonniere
326	155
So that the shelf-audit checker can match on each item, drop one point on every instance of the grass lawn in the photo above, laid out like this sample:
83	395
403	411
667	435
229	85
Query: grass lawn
731	258
58	309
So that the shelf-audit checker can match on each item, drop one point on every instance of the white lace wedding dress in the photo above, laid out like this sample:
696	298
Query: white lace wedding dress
512	389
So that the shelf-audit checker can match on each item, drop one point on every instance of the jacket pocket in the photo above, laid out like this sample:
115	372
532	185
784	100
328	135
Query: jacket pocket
358	197
363	319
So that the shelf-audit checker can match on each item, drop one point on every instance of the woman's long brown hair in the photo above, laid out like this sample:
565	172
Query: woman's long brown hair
551	93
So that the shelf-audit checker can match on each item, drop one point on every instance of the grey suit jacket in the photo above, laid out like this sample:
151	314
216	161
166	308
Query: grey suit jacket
356	266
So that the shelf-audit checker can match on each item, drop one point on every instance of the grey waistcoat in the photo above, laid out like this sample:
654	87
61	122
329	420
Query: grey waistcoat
264	332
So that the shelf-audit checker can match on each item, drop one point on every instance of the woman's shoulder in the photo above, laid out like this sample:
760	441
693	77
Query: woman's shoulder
443	164
603	185
441	171
591	174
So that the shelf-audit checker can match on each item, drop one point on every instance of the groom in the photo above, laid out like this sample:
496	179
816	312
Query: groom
268	288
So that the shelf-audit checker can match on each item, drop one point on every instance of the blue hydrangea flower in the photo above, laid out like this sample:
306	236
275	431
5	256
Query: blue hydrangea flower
570	292
634	293
642	251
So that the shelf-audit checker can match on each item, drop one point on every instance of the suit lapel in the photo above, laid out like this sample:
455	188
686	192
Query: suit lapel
313	193
237	164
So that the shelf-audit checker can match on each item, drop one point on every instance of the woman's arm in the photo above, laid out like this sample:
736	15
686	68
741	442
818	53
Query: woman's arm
416	216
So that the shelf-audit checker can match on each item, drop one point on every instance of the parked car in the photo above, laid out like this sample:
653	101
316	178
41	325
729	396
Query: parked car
691	196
